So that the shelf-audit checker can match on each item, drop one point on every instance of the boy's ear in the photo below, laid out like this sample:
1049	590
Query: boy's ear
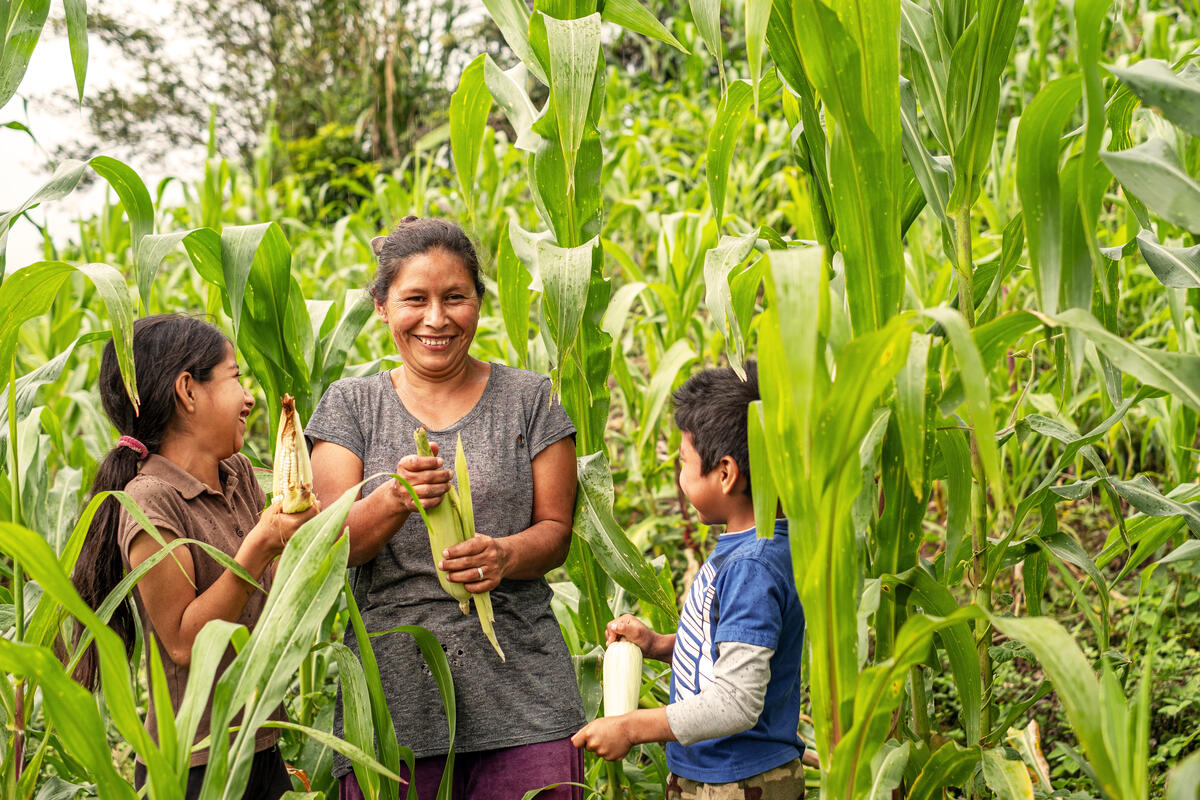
730	475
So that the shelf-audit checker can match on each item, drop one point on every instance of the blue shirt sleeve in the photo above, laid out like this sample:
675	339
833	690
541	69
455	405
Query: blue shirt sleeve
750	604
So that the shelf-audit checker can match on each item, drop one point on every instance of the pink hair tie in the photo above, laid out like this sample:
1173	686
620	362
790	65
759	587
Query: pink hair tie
134	445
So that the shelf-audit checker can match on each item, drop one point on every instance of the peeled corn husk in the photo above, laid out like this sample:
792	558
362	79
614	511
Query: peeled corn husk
292	478
450	522
622	678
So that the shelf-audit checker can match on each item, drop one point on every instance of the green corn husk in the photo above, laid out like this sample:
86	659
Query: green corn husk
453	521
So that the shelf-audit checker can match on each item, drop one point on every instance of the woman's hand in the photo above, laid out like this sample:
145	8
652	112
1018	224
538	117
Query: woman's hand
428	479
479	563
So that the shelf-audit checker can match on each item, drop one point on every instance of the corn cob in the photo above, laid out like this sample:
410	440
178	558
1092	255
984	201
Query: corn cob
292	478
622	678
453	521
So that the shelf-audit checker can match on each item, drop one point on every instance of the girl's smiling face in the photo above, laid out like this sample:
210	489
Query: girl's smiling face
222	404
432	310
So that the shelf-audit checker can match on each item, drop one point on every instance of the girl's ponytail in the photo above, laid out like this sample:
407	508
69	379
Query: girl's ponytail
164	346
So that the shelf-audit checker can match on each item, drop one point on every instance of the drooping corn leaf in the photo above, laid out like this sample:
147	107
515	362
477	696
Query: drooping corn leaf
636	17
512	18
722	140
1152	172
574	47
469	107
24	22
1176	95
1176	267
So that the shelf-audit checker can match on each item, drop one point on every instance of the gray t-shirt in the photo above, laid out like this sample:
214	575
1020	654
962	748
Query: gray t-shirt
533	696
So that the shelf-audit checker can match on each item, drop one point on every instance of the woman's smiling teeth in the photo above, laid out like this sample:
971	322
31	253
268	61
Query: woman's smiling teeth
429	341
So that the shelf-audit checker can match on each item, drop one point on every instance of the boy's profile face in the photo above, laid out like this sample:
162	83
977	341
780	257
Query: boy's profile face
704	492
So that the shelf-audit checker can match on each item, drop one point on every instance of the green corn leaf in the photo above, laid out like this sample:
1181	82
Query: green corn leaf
161	694
678	356
890	770
30	292
951	766
707	16
71	709
512	281
758	14
722	140
1038	185
335	348
1152	172
566	274
1188	551
975	385
934	174
636	17
1175	95
23	28
508	89
76	14
719	262
156	247
1175	267
910	410
1089	20
594	523
356	705
469	108
762	486
1177	373
574	47
1183	782
134	196
926	54
512	18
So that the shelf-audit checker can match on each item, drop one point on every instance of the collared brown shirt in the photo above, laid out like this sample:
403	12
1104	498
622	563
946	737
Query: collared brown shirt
181	506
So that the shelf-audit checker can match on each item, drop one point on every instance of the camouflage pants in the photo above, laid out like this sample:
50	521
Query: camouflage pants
781	783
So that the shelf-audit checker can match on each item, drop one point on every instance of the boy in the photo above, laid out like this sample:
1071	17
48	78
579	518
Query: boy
731	724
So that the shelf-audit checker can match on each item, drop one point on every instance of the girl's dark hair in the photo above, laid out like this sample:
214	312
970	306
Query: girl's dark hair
712	406
414	236
164	346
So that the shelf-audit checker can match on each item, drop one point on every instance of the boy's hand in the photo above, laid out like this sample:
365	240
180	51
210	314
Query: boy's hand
607	737
631	629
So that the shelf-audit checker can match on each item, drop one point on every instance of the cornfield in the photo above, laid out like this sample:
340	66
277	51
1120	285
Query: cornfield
960	238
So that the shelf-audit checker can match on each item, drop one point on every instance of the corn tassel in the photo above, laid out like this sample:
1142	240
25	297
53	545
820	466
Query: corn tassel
453	521
292	478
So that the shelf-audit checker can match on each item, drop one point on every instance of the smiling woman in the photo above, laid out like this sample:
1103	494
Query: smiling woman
513	717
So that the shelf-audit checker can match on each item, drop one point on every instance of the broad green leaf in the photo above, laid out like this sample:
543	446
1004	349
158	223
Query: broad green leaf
636	17
934	173
1175	95
512	282
354	753
1152	172
1078	690
1177	373
566	273
890	770
30	292
1183	781
762	486
758	14
1038	137
956	456
1188	551
133	194
951	766
64	180
24	22
574	52
910	410
707	16
678	356
1175	267
719	262
594	523
155	248
722	140
469	108
336	347
512	18
71	709
76	13
508	90
926	55
1089	19
975	385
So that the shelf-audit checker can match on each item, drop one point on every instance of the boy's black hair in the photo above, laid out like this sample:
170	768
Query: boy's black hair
711	406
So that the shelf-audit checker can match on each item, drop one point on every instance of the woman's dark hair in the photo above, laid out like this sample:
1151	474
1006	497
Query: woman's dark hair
414	236
164	346
712	406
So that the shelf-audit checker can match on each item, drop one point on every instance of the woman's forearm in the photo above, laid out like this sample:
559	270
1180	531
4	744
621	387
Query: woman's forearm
372	521
531	553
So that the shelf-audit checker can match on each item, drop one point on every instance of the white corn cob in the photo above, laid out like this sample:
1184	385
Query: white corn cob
622	678
453	521
292	478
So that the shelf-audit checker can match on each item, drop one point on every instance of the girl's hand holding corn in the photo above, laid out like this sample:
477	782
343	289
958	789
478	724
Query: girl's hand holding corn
276	528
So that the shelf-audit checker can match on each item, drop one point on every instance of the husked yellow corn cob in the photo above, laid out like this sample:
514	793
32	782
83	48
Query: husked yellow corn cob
450	522
622	678
292	472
